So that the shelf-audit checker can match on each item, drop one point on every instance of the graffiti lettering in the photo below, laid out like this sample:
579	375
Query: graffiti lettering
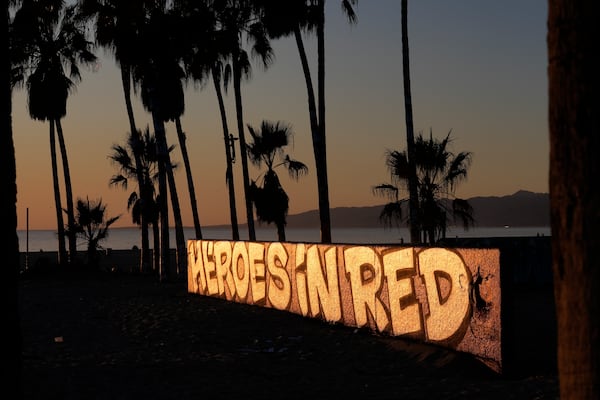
423	293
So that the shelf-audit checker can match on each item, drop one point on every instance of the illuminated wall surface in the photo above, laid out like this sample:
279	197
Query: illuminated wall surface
445	296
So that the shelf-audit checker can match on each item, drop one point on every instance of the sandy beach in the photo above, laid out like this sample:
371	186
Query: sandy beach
118	335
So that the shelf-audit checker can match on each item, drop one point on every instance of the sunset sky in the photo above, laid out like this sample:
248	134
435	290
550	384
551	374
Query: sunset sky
478	68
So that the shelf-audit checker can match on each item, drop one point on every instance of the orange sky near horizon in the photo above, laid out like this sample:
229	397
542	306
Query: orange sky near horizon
476	69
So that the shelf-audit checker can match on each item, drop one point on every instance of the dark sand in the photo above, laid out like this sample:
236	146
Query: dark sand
123	336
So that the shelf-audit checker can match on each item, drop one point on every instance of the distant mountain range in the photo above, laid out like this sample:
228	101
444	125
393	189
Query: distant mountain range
522	208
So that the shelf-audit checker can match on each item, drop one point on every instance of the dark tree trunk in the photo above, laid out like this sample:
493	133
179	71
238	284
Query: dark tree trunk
71	235
60	224
574	120
235	233
164	271
135	136
237	78
321	146
324	215
180	247
9	245
188	174
413	195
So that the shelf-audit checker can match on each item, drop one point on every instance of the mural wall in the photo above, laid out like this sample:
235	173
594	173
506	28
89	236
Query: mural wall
448	297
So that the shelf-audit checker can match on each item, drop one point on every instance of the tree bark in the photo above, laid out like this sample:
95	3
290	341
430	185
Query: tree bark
71	235
60	225
9	245
237	78
164	271
574	121
190	181
413	195
321	155
135	137
235	233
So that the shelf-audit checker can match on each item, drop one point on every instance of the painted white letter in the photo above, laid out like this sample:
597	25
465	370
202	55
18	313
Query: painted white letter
447	284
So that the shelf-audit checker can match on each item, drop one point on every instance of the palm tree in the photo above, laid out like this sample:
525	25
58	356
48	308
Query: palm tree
9	245
141	203
116	26
413	195
292	17
205	56
574	121
160	76
91	225
438	173
54	38
237	19
177	46
270	199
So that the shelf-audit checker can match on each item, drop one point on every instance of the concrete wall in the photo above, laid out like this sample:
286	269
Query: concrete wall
529	333
448	297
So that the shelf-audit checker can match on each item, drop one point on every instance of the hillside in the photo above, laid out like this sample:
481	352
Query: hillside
522	208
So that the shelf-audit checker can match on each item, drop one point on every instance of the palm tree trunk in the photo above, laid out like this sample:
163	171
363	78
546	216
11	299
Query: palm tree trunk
181	248
69	194
574	121
135	135
60	225
281	232
9	245
229	172
316	140
156	238
190	181
321	145
240	122
162	151
413	195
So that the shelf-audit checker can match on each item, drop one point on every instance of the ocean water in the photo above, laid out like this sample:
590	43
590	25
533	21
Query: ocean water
127	238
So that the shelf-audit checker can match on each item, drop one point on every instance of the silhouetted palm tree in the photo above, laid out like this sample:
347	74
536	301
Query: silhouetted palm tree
91	225
438	172
238	21
116	26
270	199
292	17
54	38
160	76
204	58
142	203
413	195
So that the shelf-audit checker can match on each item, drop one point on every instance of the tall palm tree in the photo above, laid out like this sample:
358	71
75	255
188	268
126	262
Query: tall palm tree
237	21
574	121
160	76
54	39
141	203
294	17
413	195
438	173
204	58
177	46
267	147
9	245
116	25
